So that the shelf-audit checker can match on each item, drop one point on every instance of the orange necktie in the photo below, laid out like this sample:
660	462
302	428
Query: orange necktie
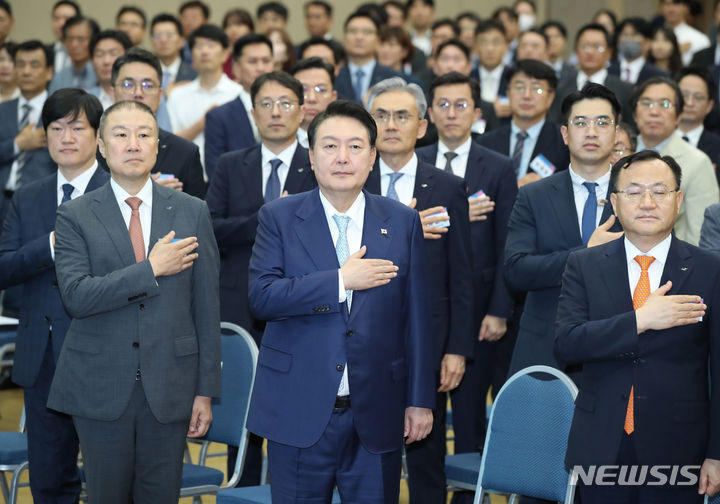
642	291
135	229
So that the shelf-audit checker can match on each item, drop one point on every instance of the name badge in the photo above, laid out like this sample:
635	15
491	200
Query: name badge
477	194
442	213
542	166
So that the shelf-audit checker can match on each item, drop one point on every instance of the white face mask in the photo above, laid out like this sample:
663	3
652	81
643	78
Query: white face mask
525	22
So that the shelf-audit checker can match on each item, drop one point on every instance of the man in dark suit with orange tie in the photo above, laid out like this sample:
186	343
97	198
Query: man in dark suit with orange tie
637	314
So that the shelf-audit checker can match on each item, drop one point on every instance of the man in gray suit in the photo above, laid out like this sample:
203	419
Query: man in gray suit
141	358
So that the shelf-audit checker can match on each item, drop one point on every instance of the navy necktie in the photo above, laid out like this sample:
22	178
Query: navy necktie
589	216
67	192
518	152
272	189
359	76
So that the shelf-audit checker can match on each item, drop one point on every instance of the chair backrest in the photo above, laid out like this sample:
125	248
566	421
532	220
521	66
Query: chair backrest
527	436
239	359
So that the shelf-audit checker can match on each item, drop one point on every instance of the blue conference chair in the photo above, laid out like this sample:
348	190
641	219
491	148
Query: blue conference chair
526	441
239	359
254	495
13	460
8	331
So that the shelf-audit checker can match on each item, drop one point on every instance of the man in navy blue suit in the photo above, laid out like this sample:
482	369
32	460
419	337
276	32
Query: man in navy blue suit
344	366
561	213
530	136
71	118
399	109
649	389
362	71
491	190
230	126
244	180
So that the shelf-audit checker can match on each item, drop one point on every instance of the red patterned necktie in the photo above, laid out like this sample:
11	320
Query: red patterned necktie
135	229
640	295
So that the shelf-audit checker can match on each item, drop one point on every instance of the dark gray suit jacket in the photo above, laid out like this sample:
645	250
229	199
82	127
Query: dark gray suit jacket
125	319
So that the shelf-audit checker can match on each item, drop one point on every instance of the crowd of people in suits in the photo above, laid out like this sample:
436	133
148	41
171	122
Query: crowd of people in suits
499	134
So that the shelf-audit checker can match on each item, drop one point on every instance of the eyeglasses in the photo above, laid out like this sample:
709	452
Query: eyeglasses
400	116
696	97
522	88
602	123
284	104
590	47
460	106
147	86
361	31
649	104
636	193
620	150
319	89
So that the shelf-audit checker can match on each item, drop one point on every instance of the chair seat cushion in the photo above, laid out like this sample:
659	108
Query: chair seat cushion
197	475
254	495
463	467
13	448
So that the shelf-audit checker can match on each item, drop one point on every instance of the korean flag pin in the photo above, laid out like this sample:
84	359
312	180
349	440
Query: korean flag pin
383	231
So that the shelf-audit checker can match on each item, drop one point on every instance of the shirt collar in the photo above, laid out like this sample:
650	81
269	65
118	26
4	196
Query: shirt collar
460	151
659	251
356	212
80	182
577	180
409	169
36	103
172	67
694	134
285	156
598	77
533	131
145	194
635	64
368	67
495	72
659	147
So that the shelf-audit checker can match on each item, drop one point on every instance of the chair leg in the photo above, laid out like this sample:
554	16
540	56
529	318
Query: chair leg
15	481
264	470
4	488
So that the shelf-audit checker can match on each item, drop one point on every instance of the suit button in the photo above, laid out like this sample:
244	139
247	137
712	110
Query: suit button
349	332
136	344
339	367
142	307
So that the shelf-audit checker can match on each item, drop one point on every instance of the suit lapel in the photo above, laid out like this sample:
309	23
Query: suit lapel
678	266
614	272
474	169
48	205
162	148
106	209
299	170
423	185
376	241
99	178
428	154
251	173
163	214
314	233
563	204
372	184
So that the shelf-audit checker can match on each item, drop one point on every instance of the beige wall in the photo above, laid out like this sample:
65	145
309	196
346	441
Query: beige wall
32	17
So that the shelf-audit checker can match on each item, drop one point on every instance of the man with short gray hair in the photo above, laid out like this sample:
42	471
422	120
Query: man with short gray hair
399	110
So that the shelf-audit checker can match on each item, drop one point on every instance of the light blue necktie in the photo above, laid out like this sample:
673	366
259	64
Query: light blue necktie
341	247
391	192
589	216
272	189
67	192
359	76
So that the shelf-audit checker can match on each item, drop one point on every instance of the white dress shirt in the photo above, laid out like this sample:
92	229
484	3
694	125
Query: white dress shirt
302	137
459	162
246	100
356	212
189	103
630	70
405	185
145	209
655	271
490	80
581	194
597	78
528	146
171	69
283	170
693	135
79	184
36	105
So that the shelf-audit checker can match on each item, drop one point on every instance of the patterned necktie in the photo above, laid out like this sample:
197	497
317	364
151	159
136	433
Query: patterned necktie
14	183
640	295
67	192
135	229
518	152
341	247
359	76
272	188
449	156
165	79
391	192
589	216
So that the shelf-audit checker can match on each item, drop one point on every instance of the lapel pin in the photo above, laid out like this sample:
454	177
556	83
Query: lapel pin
684	268
163	146
168	208
383	231
300	170
423	185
